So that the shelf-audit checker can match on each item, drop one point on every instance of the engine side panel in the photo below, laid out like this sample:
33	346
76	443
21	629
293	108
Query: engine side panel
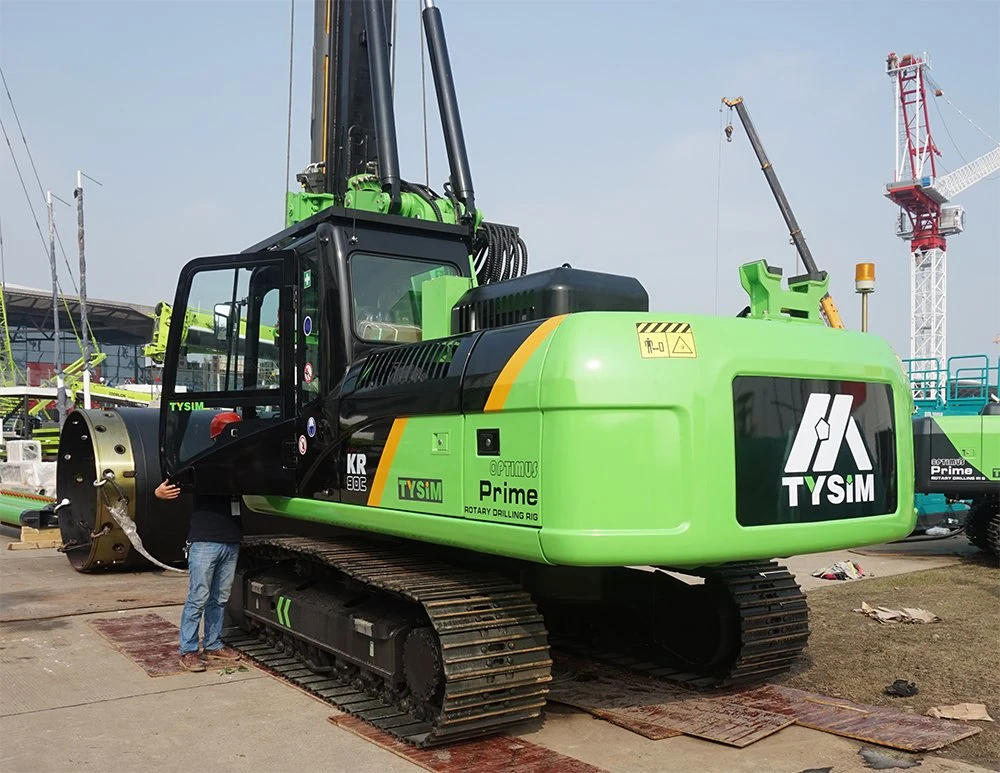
958	455
610	439
640	441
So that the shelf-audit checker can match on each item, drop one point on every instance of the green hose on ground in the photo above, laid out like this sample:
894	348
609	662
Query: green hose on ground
13	503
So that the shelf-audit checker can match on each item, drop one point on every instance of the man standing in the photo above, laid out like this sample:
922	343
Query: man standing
214	546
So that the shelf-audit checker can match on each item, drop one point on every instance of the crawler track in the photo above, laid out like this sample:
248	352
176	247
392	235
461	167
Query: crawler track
764	625
773	619
982	526
493	643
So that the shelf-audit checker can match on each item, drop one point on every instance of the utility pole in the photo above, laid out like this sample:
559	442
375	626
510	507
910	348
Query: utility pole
56	341
84	328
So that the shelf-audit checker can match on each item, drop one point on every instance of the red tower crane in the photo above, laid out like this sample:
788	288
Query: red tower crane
926	218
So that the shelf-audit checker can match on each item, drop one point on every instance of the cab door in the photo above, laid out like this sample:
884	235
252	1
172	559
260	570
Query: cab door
227	412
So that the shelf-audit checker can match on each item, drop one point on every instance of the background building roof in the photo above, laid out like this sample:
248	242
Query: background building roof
112	322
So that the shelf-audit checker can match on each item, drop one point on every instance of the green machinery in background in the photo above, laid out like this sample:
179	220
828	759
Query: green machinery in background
447	465
30	412
957	441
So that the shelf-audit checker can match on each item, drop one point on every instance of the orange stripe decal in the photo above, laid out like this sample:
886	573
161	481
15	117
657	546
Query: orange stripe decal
385	462
510	372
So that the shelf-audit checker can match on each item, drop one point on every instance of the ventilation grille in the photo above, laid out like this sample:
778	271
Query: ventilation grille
407	364
495	312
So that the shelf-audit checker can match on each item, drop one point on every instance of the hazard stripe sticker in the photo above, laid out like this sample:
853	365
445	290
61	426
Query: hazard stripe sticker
666	340
662	327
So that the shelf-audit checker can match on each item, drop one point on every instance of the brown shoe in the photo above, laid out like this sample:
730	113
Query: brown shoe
223	653
192	662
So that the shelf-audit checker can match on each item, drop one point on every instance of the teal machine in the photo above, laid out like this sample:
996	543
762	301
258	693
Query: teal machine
961	387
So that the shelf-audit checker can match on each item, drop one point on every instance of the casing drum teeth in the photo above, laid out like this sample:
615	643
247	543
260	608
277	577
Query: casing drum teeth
119	450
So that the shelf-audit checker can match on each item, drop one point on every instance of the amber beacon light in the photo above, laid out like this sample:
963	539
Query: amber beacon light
864	285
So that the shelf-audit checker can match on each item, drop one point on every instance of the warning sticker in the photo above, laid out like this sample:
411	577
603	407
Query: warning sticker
665	339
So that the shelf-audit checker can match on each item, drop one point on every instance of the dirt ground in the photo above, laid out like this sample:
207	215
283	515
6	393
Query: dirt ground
953	661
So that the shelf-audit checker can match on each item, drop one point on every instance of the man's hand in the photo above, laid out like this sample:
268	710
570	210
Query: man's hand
167	490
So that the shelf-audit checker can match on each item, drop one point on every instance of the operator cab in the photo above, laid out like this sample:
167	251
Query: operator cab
270	332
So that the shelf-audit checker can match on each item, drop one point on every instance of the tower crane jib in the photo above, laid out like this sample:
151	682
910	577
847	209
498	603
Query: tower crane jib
952	184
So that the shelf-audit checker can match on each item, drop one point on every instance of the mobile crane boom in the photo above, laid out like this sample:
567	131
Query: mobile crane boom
827	304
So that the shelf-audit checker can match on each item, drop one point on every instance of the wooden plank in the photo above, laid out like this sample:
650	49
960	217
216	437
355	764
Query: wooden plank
874	724
496	754
636	720
656	710
649	707
659	715
34	545
36	539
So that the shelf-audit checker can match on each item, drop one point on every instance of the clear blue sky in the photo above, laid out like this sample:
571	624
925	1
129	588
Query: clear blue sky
594	126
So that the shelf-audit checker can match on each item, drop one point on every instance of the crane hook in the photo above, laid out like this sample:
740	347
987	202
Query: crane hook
729	133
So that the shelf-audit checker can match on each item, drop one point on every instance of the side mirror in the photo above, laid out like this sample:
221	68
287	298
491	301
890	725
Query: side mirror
222	320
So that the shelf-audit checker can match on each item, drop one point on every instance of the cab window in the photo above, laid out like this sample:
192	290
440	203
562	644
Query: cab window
230	357
387	294
231	331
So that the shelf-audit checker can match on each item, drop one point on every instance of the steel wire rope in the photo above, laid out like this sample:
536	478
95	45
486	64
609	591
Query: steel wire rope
27	196
958	110
423	96
34	169
72	324
937	87
38	227
41	189
288	140
718	209
10	364
17	120
69	268
947	131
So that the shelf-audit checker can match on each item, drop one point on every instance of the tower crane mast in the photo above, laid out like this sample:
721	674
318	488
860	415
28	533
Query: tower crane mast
926	218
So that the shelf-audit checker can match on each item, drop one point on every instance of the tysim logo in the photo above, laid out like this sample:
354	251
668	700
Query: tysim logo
826	425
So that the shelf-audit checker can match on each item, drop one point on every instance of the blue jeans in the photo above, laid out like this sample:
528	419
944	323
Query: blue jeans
212	567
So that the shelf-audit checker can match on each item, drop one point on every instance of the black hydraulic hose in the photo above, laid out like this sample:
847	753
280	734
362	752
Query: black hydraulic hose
501	253
451	121
385	121
427	195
